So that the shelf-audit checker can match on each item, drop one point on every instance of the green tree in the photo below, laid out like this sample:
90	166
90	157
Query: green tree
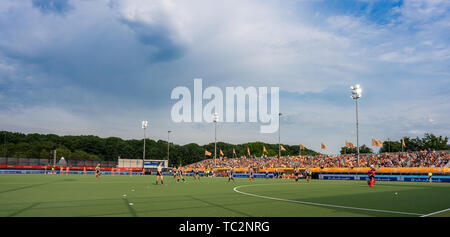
417	144
79	155
391	146
362	150
45	154
63	152
434	142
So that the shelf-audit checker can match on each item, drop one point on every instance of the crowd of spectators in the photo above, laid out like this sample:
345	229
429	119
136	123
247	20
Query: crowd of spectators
401	159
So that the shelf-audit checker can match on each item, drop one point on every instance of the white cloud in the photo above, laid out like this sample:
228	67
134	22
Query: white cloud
6	67
416	132
251	43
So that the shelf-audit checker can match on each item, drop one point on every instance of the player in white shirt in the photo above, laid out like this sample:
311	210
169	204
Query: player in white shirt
159	174
97	171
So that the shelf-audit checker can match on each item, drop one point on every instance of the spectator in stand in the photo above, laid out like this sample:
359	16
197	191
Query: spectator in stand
404	159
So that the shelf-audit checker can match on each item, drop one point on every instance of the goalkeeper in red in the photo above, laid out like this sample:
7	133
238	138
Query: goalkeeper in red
371	174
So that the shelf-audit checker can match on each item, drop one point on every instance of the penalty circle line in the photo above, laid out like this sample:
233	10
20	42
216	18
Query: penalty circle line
317	204
437	212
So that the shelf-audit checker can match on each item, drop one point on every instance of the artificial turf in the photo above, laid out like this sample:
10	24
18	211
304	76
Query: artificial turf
33	195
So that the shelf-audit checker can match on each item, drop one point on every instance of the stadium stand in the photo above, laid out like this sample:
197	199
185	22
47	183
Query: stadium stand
390	162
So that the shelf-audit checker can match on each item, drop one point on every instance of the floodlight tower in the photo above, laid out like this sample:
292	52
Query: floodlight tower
4	145
215	119
356	94
279	136
144	126
168	146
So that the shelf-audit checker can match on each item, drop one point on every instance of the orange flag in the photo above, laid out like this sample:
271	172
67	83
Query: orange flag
221	152
207	153
348	144
376	142
403	143
302	147
248	151
282	148
234	151
380	143
264	149
323	146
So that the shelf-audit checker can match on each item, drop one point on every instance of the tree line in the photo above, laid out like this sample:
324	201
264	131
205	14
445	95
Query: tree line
89	147
429	141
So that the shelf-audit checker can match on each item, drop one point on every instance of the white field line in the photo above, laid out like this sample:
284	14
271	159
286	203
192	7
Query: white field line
318	204
437	212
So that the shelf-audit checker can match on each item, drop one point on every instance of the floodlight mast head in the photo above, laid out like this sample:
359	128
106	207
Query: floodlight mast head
144	124
356	91
215	117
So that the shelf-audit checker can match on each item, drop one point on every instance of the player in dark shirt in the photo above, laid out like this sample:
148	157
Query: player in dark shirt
308	174
250	175
180	175
196	174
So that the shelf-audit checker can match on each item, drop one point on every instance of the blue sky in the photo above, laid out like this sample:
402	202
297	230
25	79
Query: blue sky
100	67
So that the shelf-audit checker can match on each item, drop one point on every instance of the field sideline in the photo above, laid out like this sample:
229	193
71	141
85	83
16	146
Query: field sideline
124	196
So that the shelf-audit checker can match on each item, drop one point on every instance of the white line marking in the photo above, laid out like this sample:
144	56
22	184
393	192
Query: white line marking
437	212
318	204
